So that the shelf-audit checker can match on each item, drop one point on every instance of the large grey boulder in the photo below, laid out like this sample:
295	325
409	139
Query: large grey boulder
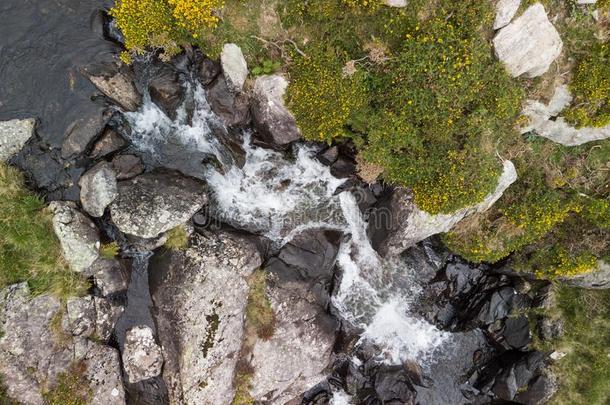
142	357
274	122
77	234
200	300
13	135
544	119
166	90
298	354
505	11
529	44
35	348
153	203
120	88
98	188
410	225
234	67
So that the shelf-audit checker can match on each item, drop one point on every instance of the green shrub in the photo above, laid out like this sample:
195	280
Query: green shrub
597	211
591	89
165	24
322	99
29	249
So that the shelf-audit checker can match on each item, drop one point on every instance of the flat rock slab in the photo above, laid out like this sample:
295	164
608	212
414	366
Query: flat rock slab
153	203
234	67
529	44
13	135
98	189
120	88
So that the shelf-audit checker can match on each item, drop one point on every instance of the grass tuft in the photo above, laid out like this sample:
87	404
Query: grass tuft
177	238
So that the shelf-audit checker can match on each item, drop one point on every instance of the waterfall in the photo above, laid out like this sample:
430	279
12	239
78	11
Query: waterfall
279	196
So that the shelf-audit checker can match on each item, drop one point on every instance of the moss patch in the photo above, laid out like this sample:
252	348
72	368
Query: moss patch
259	314
177	238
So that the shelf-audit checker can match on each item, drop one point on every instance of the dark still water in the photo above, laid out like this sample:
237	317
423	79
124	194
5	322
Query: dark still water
43	46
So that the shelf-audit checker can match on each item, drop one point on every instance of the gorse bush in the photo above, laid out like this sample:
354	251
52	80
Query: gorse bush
591	89
29	249
163	24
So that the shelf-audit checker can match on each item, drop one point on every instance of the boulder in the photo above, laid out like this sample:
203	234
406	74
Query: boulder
127	166
142	357
200	298
108	143
529	44
402	224
35	350
119	88
272	119
207	70
156	202
396	3
166	90
596	279
109	276
82	132
233	109
234	67
80	316
505	11
13	135
106	316
298	353
98	188
77	234
546	122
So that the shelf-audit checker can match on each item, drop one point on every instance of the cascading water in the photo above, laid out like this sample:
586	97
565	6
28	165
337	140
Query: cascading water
280	197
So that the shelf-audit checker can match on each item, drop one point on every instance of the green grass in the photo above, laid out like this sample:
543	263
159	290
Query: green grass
29	249
584	372
71	389
259	314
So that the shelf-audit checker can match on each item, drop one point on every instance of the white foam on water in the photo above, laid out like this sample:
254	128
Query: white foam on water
281	197
340	398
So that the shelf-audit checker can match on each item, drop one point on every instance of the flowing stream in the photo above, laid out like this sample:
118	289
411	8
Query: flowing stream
279	196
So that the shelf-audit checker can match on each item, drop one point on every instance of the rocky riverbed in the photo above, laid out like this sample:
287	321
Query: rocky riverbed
367	305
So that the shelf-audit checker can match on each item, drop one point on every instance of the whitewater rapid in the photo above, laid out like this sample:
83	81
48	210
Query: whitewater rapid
279	196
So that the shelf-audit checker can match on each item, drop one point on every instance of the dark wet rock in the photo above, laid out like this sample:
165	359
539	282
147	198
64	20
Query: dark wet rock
207	69
77	234
200	298
343	167
516	332
329	155
296	356
142	357
34	350
309	257
275	124
233	110
119	87
108	143
83	132
112	31
98	188
516	374
13	136
109	276
127	166
166	90
156	202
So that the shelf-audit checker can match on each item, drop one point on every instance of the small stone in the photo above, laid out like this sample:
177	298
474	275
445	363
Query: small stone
142	357
120	88
127	166
109	142
13	135
396	3
98	189
234	67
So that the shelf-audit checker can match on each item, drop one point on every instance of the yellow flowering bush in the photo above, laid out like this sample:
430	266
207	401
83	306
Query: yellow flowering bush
368	4
162	24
